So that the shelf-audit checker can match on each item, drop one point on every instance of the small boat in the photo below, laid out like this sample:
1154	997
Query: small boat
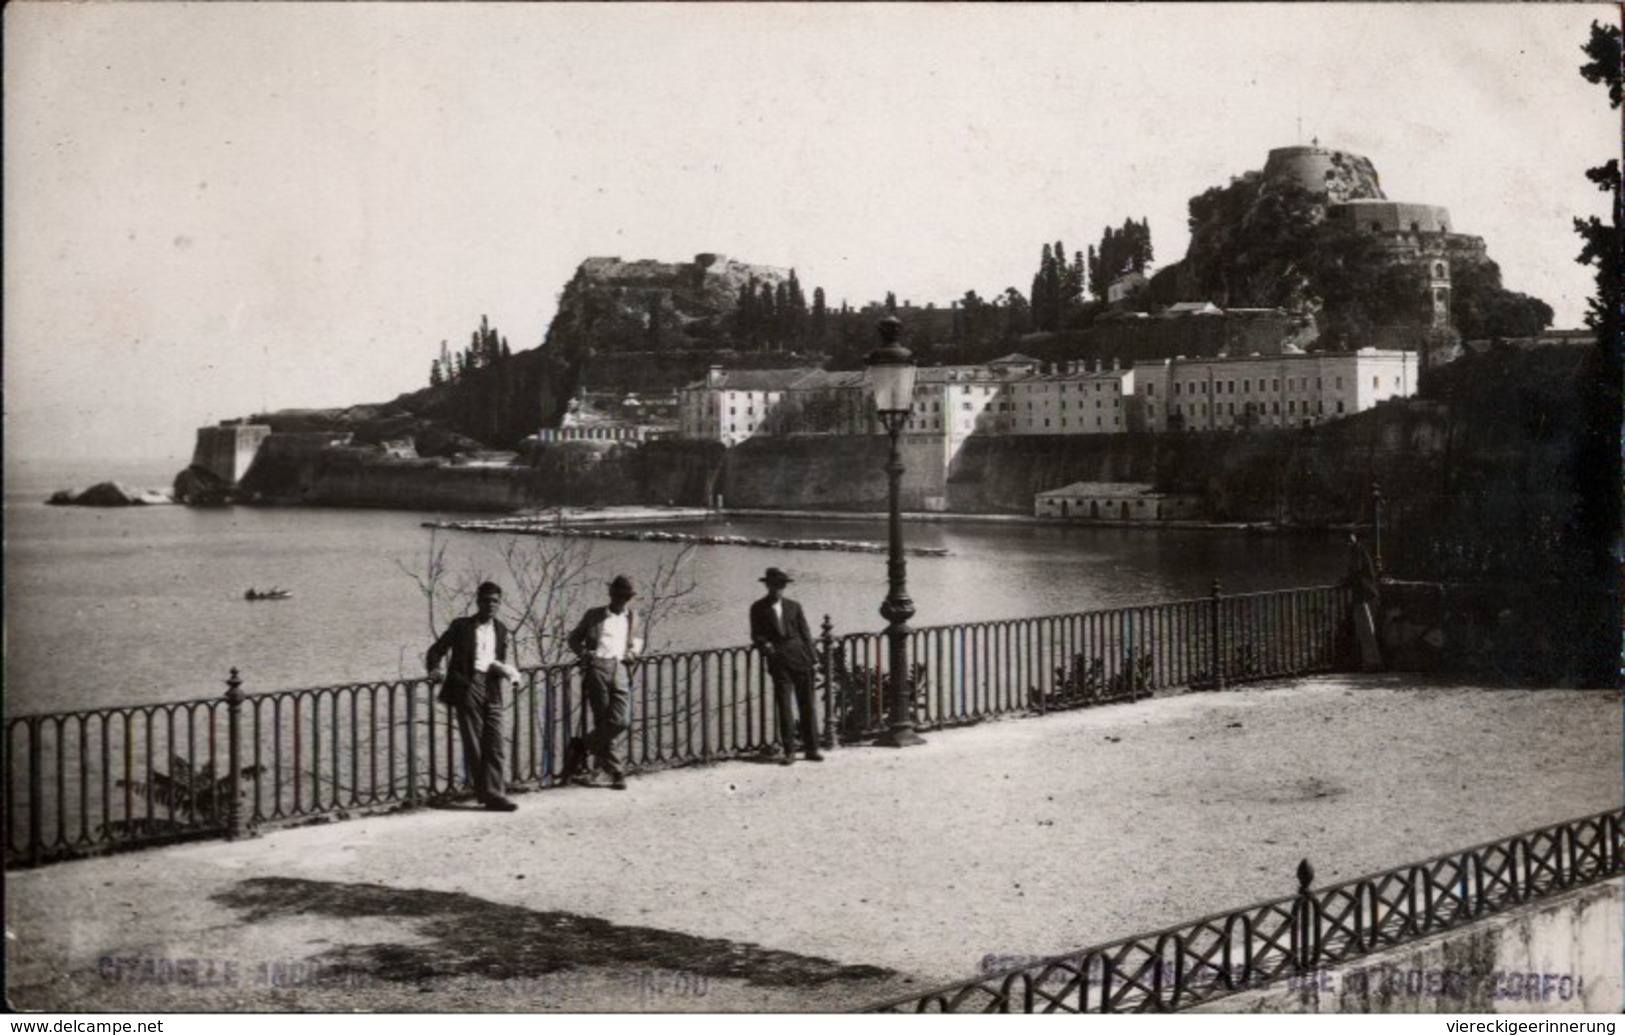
268	594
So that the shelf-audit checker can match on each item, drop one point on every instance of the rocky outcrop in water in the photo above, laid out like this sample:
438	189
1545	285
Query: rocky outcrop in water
200	487
108	494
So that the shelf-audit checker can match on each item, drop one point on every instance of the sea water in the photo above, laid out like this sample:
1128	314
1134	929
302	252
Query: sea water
140	604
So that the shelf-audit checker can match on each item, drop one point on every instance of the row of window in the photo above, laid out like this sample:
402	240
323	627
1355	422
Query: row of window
1228	387
1223	409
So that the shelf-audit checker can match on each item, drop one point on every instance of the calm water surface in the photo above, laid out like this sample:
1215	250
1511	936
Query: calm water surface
143	604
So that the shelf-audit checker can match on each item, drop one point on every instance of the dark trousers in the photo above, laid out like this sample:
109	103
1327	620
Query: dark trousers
478	707
799	681
605	683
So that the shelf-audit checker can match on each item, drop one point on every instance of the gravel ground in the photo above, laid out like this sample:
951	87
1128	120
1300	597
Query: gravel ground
820	887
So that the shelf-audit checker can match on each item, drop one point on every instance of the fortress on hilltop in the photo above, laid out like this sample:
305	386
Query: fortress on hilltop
1411	233
1340	175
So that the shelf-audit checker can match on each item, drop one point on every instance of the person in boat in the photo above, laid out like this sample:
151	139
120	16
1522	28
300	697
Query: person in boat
473	686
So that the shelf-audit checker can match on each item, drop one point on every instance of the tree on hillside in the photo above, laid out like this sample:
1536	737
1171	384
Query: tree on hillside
1597	472
1256	243
1481	308
448	371
795	313
1072	283
1017	316
1057	295
818	330
1602	241
653	304
1121	251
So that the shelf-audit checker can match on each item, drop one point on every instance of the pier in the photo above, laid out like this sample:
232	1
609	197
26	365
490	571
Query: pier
571	529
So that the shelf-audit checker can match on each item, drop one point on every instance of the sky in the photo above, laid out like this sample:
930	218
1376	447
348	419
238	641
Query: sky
217	209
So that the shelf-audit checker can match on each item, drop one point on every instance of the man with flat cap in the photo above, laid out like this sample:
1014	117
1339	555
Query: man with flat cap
473	688
607	643
778	628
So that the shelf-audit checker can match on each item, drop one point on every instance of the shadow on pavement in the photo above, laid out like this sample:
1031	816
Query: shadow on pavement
466	936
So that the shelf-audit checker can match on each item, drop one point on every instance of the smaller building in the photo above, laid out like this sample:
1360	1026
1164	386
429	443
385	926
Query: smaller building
1126	286
1114	501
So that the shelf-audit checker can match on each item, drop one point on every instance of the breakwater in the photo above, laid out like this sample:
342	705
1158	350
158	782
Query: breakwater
529	526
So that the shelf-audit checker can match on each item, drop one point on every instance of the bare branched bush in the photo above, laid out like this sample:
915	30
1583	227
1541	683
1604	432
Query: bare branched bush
548	582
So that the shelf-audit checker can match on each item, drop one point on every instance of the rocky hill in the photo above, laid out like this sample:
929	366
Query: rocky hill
612	305
645	322
1296	236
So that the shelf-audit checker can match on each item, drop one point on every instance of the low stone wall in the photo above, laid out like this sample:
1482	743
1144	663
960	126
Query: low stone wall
228	450
422	485
1562	955
1503	632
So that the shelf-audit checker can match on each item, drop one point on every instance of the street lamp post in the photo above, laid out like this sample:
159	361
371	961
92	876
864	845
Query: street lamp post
1376	511
891	382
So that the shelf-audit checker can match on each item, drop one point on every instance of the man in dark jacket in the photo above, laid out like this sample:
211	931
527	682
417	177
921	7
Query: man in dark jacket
778	629
473	690
1363	584
607	643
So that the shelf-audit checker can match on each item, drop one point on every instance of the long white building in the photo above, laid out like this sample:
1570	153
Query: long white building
1289	390
1014	395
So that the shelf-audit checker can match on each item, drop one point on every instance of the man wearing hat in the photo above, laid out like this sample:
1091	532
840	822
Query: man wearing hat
473	690
606	641
778	629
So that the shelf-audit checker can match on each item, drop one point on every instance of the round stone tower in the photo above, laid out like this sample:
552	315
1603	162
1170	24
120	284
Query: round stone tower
1339	175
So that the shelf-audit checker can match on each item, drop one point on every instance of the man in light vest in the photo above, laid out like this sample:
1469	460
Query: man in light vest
607	643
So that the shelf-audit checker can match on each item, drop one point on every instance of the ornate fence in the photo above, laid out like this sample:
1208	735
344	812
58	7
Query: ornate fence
1219	955
106	778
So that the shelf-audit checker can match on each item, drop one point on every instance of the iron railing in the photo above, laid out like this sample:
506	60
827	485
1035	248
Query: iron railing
967	673
1220	955
107	778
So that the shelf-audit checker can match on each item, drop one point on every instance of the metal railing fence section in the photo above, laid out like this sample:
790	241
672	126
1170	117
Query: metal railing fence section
1257	945
79	782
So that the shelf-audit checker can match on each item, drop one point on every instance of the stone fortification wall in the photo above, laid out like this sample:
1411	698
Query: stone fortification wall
1341	176
831	472
228	450
1002	474
1391	217
287	465
1516	458
1318	475
348	478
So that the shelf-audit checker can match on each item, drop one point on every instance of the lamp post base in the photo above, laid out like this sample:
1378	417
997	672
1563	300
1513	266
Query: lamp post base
899	737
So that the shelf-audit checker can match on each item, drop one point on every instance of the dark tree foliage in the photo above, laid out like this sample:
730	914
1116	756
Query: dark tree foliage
483	394
1481	308
1265	244
818	322
1017	316
1057	294
1597	475
1123	250
746	322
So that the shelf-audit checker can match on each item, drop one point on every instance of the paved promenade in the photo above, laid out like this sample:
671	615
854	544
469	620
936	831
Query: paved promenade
744	886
